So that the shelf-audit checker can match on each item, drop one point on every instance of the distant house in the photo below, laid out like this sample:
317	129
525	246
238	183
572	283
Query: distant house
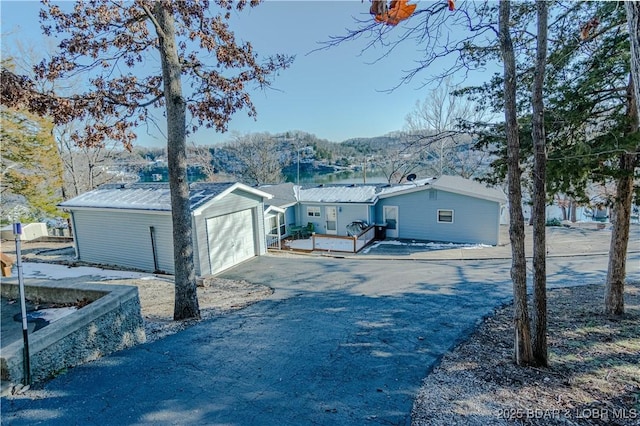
130	225
448	208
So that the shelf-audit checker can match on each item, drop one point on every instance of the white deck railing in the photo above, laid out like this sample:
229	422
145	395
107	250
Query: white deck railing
337	243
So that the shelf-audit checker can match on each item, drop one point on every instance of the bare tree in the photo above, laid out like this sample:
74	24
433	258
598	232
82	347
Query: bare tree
540	356
202	157
437	126
523	349
87	167
616	273
104	38
259	159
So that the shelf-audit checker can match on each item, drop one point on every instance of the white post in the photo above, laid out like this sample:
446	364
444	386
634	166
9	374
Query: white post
17	231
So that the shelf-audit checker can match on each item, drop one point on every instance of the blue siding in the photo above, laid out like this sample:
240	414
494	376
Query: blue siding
122	237
475	220
347	213
290	217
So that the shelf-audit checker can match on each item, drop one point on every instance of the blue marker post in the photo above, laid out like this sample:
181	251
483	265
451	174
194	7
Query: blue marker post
17	231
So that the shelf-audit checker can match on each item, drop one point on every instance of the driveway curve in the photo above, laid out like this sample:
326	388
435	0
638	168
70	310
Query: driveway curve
341	341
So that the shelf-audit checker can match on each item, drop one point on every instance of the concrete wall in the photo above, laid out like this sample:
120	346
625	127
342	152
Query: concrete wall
30	231
110	323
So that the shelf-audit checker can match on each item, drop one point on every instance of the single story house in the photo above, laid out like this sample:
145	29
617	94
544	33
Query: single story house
448	209
130	225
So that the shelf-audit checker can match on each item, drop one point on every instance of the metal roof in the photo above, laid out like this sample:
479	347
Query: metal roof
152	196
369	193
339	194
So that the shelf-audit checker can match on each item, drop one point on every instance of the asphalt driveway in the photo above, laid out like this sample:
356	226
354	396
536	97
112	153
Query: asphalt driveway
342	341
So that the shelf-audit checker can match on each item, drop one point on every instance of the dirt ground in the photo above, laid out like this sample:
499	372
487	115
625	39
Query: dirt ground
216	296
593	376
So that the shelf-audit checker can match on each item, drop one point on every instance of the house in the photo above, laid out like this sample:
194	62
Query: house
130	225
448	208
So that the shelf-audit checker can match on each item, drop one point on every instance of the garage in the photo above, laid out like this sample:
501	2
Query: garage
130	225
231	239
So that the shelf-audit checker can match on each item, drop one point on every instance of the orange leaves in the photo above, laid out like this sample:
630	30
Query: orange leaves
588	28
398	11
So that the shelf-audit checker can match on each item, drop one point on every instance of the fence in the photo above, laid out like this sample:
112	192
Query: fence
343	244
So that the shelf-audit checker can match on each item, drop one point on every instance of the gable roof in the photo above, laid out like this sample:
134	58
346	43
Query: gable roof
470	188
153	196
454	184
283	194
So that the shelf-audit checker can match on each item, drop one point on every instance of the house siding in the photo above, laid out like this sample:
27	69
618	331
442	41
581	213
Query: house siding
121	237
289	218
351	213
475	220
346	213
124	239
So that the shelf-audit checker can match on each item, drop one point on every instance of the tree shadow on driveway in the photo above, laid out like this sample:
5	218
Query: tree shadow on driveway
341	341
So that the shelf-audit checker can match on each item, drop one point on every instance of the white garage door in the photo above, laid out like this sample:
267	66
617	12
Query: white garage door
231	240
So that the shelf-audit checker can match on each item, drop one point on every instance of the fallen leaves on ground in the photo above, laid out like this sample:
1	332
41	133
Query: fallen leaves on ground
593	377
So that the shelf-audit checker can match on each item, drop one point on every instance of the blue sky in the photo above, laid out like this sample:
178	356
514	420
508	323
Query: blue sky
336	94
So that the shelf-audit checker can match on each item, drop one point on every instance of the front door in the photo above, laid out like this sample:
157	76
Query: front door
331	212
390	218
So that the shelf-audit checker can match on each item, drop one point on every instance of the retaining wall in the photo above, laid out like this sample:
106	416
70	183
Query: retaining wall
111	322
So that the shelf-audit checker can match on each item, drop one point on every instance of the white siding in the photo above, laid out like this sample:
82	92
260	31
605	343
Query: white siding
124	239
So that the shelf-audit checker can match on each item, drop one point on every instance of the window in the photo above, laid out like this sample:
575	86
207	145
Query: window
313	211
445	216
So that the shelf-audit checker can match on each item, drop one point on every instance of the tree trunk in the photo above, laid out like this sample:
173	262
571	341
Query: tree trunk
633	20
616	273
573	208
186	296
539	195
523	352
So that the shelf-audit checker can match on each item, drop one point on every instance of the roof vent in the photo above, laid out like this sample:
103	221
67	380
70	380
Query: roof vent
411	177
